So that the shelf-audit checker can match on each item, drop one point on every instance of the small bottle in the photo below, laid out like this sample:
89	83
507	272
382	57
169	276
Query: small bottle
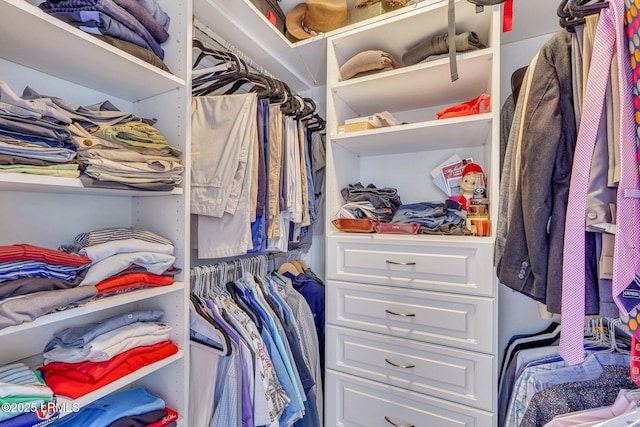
478	212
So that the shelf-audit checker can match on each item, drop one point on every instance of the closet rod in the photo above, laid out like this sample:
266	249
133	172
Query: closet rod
208	32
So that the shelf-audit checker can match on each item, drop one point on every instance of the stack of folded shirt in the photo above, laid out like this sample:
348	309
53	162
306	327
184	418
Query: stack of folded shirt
21	391
46	135
133	154
131	408
134	26
34	137
82	359
35	281
125	259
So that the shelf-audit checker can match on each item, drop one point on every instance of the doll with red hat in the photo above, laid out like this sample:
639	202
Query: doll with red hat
468	184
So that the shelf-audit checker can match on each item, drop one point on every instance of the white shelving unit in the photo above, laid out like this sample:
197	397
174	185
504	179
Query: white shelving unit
422	308
294	62
56	59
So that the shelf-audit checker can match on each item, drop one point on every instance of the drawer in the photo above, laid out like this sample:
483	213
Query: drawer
356	402
457	375
460	321
460	266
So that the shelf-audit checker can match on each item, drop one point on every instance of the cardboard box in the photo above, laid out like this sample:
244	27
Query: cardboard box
354	127
370	119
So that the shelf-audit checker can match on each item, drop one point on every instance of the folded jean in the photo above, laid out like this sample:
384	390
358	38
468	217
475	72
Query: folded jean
439	44
380	198
143	16
448	229
138	51
111	9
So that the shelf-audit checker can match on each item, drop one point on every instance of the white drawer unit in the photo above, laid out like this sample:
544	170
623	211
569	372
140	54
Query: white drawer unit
363	403
411	319
441	265
438	371
457	320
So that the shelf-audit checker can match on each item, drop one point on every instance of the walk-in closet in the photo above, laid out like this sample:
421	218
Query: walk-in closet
319	213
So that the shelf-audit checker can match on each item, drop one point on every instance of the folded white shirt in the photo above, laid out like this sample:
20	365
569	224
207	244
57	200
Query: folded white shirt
155	263
112	343
104	250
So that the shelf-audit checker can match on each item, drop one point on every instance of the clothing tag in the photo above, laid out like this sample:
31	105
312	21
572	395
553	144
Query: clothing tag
630	296
631	293
272	17
507	16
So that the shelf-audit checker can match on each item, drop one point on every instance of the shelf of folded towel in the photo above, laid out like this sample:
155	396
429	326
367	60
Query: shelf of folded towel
67	52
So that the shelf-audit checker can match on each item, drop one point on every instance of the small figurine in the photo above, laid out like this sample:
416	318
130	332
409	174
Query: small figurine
468	183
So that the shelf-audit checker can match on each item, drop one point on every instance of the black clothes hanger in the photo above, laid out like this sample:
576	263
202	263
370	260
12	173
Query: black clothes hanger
244	305
198	304
317	124
566	19
582	8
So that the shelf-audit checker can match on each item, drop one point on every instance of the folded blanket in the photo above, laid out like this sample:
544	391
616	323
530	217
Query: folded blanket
369	60
439	44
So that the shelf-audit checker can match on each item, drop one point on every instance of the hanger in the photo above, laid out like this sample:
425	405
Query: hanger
566	19
298	264
239	298
317	124
287	267
197	305
582	8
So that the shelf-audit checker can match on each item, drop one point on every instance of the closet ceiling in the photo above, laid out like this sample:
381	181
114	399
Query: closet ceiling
303	64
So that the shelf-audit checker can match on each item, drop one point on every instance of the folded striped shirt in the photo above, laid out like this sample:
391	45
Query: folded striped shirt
26	252
20	269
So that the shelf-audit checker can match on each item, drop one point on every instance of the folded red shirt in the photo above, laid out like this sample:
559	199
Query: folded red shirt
103	373
132	280
26	252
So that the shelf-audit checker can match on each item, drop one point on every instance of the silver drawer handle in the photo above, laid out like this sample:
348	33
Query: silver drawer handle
400	263
407	366
400	314
397	425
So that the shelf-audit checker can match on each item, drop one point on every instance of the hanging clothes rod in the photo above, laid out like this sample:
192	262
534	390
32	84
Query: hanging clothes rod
217	39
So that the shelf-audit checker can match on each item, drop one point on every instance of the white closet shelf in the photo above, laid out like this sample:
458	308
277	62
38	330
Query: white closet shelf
10	181
418	86
439	239
94	306
120	383
459	132
240	23
63	51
